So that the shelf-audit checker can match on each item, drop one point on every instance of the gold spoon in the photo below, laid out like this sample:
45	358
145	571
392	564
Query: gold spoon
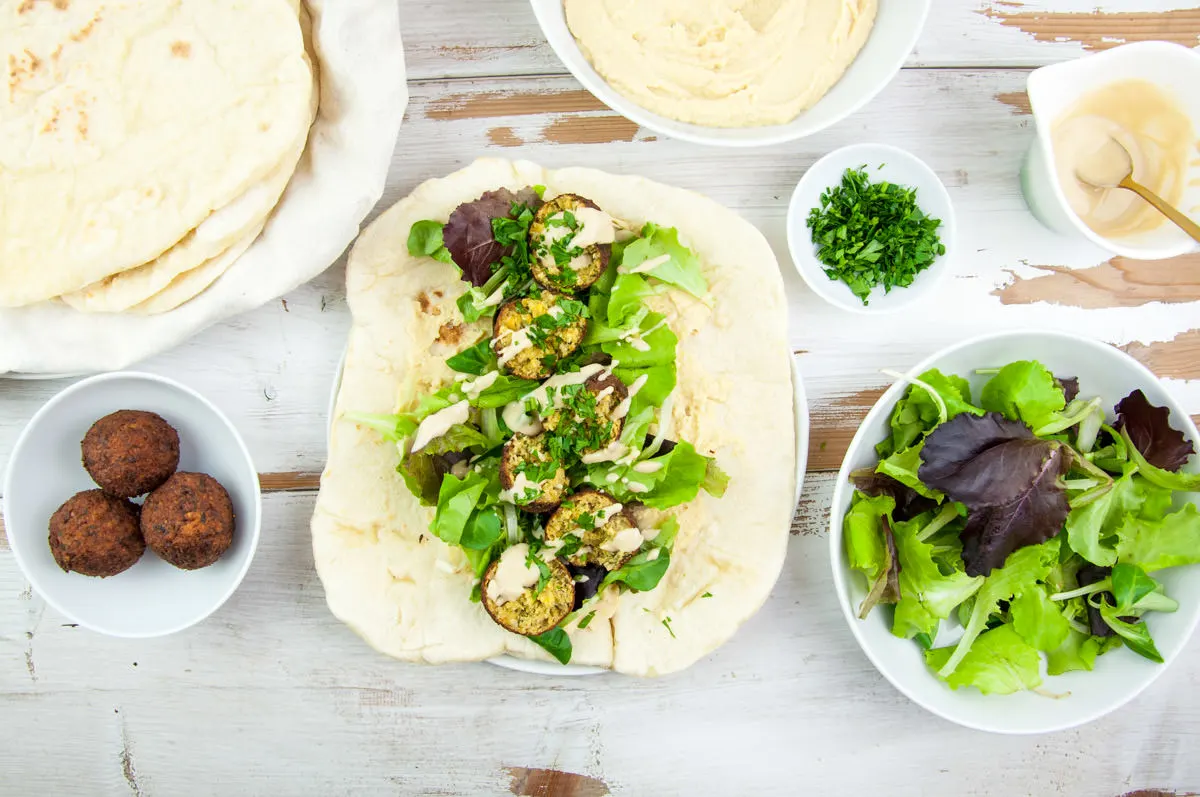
1111	166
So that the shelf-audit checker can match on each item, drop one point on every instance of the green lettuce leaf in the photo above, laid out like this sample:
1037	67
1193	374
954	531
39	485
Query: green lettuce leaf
903	467
1092	529
682	269
1170	480
1077	652
556	643
641	573
421	471
1154	545
502	391
918	413
683	473
1136	636
456	503
1000	662
425	240
864	532
927	595
1024	391
477	359
1022	570
1039	620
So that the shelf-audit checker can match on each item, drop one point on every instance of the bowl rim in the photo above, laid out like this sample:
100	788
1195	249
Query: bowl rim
549	12
916	295
1043	138
23	440
838	568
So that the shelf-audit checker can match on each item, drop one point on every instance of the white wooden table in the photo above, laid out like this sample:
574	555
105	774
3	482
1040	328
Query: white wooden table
273	696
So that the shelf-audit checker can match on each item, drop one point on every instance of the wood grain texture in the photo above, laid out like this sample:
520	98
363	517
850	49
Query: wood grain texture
1100	30
1119	282
1178	358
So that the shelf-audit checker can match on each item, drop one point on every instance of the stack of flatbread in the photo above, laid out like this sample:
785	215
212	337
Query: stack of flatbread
144	144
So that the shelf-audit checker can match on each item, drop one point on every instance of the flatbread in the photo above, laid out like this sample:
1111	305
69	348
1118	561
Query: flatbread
200	249
125	124
406	592
191	284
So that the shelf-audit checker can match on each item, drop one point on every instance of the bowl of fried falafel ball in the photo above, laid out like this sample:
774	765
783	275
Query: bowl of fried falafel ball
132	505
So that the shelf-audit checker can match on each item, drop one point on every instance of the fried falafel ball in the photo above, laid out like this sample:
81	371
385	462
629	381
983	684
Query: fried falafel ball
588	416
606	533
189	520
130	452
510	593
536	481
530	335
570	240
96	534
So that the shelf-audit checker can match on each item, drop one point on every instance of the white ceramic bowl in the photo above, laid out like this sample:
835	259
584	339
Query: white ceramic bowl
893	37
1119	675
152	598
800	408
1054	89
881	162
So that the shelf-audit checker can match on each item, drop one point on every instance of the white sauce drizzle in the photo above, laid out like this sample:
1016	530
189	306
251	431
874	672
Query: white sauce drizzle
514	412
439	423
473	387
648	467
622	409
625	541
512	575
637	487
612	452
644	266
653	554
495	298
607	513
518	342
521	484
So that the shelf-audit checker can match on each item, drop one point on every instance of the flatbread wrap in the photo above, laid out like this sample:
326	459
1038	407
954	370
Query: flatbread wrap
564	427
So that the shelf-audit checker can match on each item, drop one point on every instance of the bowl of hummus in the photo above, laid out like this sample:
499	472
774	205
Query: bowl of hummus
735	73
1132	105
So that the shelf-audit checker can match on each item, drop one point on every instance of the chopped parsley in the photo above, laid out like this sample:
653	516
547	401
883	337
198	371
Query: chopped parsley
537	470
579	424
666	621
544	571
586	620
586	521
873	234
706	595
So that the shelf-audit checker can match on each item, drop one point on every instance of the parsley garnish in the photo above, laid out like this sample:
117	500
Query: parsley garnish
586	521
706	595
666	621
586	620
544	572
870	234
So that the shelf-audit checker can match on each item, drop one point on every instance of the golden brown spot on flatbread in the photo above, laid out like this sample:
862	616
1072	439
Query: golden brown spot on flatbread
82	127
450	333
86	30
57	52
1100	30
438	294
1119	282
20	68
181	49
51	123
426	305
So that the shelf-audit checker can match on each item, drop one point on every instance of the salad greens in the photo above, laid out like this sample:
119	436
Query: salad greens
458	470
1026	519
873	234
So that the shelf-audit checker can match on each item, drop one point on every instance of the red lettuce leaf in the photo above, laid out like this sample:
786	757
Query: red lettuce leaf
1007	478
909	503
468	233
1150	429
1070	387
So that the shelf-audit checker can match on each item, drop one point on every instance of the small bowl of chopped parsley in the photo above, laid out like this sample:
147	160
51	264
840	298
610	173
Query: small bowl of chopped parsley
870	228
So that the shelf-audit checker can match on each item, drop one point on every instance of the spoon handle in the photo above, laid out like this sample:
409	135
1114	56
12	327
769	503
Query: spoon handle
1183	222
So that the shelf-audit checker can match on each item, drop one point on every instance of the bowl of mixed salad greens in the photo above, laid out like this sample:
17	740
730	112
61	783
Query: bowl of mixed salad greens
1015	534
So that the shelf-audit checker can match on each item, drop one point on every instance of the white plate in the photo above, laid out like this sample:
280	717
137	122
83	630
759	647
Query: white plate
152	598
881	162
800	408
1120	675
896	30
338	181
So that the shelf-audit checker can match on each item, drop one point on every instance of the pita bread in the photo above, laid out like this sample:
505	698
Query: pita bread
406	592
146	116
190	284
223	230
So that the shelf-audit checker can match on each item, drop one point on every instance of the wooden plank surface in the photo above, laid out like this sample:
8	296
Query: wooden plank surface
273	696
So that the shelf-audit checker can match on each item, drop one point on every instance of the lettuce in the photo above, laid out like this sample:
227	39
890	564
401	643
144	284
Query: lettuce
927	594
999	663
1024	391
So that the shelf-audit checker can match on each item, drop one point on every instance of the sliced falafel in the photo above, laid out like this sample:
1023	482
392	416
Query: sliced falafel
530	335
533	611
189	521
571	242
96	534
130	452
532	477
587	417
600	524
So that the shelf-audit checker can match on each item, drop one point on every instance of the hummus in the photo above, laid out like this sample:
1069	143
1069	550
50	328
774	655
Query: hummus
722	63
